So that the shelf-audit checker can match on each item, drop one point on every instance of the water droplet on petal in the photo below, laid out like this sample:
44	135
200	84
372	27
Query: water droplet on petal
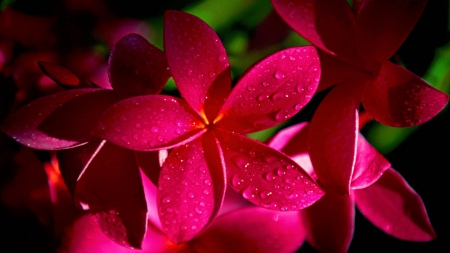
154	129
279	75
190	195
265	84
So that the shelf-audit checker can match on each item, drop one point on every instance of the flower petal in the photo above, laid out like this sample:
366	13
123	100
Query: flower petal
329	25
333	134
64	77
382	26
272	91
394	207
136	67
149	123
116	196
369	165
191	188
198	62
252	230
330	223
265	176
23	125
399	98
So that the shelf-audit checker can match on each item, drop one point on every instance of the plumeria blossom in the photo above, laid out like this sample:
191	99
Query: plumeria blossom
354	47
103	176
206	129
378	191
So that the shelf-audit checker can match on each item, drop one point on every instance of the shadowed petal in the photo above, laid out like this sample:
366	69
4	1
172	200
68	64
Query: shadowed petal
272	91
136	67
64	77
394	207
399	98
327	24
332	139
191	188
330	223
252	230
148	123
23	124
116	196
383	25
265	176
198	62
369	165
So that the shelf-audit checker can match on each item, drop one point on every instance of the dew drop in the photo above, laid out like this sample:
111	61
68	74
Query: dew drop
207	182
194	227
279	75
284	208
190	195
269	176
189	72
202	169
248	193
236	181
281	172
222	58
206	192
166	200
277	96
282	115
136	136
169	210
154	129
264	194
265	84
298	107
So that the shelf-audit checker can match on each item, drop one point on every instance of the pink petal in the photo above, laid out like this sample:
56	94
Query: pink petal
333	137
394	207
116	196
198	62
265	176
272	91
383	25
64	77
191	188
136	67
330	223
86	237
399	98
369	165
252	230
326	24
23	125
149	122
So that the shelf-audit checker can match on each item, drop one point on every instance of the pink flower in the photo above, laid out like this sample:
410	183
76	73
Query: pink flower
379	192
354	47
104	176
206	130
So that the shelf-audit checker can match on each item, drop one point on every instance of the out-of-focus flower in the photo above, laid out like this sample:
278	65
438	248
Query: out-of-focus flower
379	192
354	47
206	129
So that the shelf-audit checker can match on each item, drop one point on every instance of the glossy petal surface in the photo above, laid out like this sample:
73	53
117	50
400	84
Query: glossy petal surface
332	139
252	230
394	207
327	24
191	189
265	176
369	165
64	77
399	98
330	223
23	125
136	67
383	25
198	62
148	123
115	195
272	91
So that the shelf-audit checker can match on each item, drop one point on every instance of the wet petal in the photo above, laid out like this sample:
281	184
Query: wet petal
136	67
23	125
198	62
272	91
148	123
326	24
394	207
332	139
191	188
64	77
369	165
382	26
116	196
265	176
330	223
399	98
252	230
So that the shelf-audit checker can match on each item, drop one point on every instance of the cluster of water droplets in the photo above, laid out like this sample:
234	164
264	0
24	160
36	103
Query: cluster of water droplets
112	226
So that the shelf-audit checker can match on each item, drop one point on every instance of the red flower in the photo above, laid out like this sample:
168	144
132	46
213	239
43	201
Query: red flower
354	48
207	130
106	177
379	192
